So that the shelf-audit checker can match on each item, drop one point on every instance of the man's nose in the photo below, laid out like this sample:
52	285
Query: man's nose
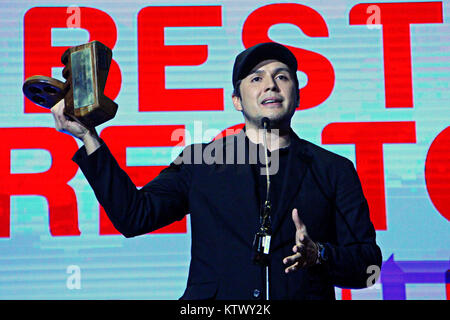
270	84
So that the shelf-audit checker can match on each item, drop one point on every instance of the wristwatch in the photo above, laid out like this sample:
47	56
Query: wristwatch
322	256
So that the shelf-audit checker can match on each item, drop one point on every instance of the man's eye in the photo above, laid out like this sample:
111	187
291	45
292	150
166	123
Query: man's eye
256	79
282	77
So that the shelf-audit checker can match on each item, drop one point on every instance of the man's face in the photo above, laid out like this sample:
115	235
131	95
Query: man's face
268	91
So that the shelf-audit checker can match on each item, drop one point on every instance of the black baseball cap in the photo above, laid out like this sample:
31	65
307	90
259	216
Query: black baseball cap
249	58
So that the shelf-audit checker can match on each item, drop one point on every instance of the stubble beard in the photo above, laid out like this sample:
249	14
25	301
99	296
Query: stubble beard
278	121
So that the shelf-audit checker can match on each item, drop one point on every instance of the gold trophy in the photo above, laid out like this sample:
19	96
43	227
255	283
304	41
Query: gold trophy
86	70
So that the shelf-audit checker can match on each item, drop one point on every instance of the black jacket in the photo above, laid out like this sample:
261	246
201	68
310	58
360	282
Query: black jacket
221	200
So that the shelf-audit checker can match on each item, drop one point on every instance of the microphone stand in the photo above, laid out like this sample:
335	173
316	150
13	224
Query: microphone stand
267	205
261	242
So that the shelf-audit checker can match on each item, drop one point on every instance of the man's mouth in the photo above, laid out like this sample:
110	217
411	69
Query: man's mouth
272	101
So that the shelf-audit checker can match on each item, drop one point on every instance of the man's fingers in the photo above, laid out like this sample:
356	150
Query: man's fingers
62	121
296	262
299	225
58	114
299	248
296	219
58	108
292	259
302	245
294	267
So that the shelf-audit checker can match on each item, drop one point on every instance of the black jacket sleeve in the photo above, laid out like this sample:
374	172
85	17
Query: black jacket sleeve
135	211
356	248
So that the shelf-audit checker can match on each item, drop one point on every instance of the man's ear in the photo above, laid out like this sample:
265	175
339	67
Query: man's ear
236	102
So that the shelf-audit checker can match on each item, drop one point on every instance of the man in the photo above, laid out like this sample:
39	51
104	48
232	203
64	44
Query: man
321	234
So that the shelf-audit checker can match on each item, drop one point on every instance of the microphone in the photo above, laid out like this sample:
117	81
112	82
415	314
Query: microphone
265	122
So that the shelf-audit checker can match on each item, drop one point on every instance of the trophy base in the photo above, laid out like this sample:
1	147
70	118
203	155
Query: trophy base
96	114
